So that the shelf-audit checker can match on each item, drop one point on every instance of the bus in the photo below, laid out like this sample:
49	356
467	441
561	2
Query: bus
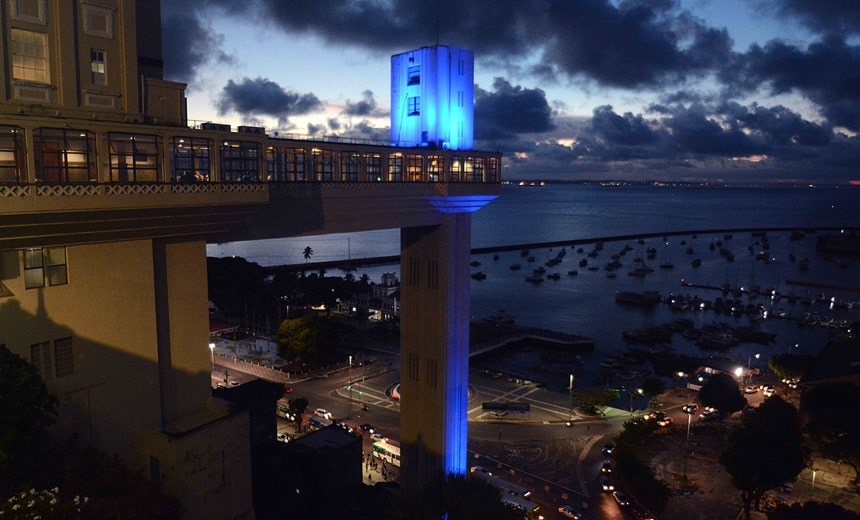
505	487
528	507
316	422
386	451
509	487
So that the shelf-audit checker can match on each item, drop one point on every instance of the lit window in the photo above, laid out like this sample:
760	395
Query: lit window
45	266
97	67
29	56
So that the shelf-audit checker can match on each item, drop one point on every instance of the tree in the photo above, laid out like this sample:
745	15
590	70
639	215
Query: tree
833	421
789	366
721	392
308	253
764	451
26	409
653	386
297	408
590	400
307	338
811	511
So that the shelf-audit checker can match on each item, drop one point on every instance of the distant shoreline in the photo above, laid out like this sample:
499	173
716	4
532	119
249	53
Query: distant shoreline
356	263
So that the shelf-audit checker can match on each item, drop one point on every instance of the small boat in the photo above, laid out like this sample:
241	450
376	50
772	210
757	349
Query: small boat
475	263
535	279
572	272
516	267
583	262
697	262
479	276
496	256
554	276
667	265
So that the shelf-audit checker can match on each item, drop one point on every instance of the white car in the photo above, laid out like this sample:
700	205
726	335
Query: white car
750	389
322	412
568	512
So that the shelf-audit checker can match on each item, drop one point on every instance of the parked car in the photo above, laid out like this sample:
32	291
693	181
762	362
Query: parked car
690	408
709	414
621	498
750	389
767	390
366	427
322	412
569	512
606	467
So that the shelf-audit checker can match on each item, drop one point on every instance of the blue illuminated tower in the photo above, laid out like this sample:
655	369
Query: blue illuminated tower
432	97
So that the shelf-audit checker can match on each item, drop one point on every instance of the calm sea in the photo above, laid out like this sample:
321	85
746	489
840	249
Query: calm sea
585	304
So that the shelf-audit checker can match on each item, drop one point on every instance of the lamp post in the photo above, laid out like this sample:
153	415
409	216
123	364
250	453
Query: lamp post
749	364
349	382
212	356
814	471
570	404
689	413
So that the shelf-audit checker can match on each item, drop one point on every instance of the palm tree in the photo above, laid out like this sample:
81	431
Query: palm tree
308	253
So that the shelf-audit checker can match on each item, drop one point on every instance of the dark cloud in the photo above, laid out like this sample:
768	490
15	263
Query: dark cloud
262	96
188	44
364	108
509	110
824	16
827	72
626	130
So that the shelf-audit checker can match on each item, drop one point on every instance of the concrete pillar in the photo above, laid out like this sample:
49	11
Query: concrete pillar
434	339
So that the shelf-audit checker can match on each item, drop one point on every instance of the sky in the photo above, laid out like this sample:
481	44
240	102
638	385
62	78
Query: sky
733	91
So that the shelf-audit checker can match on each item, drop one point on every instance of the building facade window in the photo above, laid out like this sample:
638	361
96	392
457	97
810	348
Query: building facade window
64	156
98	70
475	169
273	164
492	169
296	164
40	357
29	56
413	75
373	166
55	362
191	160
12	155
415	168
350	166
32	11
395	167
45	267
133	157
240	161
98	21
64	357
323	165
435	168
457	168
413	105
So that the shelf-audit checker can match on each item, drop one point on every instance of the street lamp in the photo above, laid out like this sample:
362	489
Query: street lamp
570	407
749	364
689	411
739	372
814	471
212	355
349	382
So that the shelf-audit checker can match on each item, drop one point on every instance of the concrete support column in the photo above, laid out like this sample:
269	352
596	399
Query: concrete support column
434	339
